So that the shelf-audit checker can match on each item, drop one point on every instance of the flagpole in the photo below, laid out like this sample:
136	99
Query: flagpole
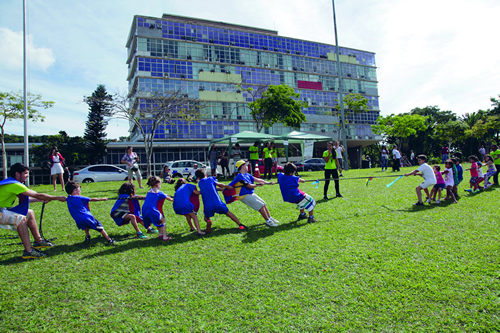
25	92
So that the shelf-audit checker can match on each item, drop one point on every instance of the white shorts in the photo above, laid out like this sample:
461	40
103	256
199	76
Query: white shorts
56	169
253	201
427	183
307	203
10	220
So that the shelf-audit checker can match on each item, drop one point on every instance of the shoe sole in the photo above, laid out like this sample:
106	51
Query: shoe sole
32	257
41	246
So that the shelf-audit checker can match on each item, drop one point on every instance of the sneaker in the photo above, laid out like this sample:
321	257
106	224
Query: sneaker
87	239
325	197
274	220
111	242
141	235
241	227
429	200
34	254
418	204
166	239
302	217
152	231
42	244
476	191
438	202
338	195
468	190
270	223
311	220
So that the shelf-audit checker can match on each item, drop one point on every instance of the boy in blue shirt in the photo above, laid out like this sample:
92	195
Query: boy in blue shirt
212	204
289	186
245	182
78	207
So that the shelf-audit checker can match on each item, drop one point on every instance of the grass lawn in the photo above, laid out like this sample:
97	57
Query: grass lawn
373	262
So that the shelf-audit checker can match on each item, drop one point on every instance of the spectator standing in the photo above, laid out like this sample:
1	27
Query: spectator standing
495	155
267	156
339	149
331	166
56	169
396	155
131	159
236	156
254	156
224	163
212	157
482	152
412	158
444	154
385	157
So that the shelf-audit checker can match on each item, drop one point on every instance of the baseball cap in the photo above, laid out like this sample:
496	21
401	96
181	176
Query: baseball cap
240	163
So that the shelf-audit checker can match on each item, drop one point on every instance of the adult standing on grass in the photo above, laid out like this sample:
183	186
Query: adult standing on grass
426	172
396	155
275	158
412	158
254	156
482	152
495	155
20	217
236	156
444	153
331	166
267	156
56	170
339	149
131	159
385	157
212	158
224	163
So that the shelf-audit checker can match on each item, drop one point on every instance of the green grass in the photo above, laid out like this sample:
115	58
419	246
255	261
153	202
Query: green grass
373	262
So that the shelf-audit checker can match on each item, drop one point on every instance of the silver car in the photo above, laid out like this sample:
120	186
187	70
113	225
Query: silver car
100	173
182	168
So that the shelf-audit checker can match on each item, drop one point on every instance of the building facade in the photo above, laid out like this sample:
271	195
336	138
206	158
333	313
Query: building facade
215	62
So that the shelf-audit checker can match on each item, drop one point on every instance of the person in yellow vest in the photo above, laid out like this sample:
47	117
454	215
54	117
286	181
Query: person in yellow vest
254	156
332	167
275	159
267	156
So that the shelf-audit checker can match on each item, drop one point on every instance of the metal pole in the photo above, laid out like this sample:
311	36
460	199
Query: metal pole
341	91
26	152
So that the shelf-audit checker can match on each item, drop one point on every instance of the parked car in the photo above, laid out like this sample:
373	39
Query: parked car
100	173
182	168
312	164
273	170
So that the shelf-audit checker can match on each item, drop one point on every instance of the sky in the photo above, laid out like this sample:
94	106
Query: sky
439	52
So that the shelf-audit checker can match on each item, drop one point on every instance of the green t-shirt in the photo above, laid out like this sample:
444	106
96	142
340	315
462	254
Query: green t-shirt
268	153
331	163
9	193
275	153
495	154
254	153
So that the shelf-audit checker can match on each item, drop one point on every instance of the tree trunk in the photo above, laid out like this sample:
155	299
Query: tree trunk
4	158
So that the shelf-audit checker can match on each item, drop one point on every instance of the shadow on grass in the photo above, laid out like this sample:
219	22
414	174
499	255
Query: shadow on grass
252	234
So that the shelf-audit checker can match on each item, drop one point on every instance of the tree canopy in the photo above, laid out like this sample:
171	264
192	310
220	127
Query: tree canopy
277	105
99	112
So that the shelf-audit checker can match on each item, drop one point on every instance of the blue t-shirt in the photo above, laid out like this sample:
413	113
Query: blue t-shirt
154	202
78	207
209	193
289	186
245	179
460	172
182	202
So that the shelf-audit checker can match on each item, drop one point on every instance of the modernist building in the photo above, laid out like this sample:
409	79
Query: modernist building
213	60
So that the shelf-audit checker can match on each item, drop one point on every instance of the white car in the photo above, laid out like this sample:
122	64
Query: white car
100	173
182	168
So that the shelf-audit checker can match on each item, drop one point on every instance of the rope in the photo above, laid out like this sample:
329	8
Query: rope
322	180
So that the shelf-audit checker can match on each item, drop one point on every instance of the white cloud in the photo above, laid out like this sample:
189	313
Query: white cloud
11	51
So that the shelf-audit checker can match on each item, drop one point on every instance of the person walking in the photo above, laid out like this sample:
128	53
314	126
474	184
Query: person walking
56	169
131	159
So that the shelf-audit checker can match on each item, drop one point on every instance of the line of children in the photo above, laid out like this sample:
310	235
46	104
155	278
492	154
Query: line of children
448	181
289	186
438	187
184	196
152	209
247	192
